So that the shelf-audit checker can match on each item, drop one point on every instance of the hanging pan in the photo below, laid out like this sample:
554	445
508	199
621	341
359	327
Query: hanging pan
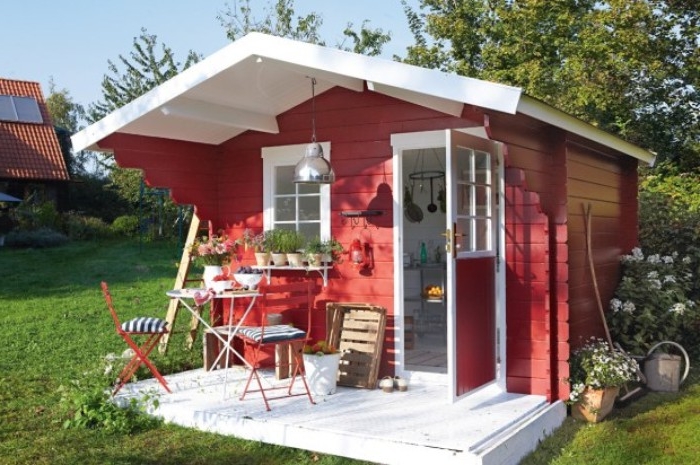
411	211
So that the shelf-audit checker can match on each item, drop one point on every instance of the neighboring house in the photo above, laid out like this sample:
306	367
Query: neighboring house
511	174
30	155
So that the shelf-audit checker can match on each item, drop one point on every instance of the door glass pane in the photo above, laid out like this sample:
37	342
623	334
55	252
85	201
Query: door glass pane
482	234
464	199
483	204
464	165
463	236
482	167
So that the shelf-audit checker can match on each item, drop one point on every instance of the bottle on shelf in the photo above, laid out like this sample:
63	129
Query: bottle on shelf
423	253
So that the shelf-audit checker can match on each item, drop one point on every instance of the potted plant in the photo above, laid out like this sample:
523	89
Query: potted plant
260	243
596	373
321	363
320	251
212	253
292	243
277	244
653	308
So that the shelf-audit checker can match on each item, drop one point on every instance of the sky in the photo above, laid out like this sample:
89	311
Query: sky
70	41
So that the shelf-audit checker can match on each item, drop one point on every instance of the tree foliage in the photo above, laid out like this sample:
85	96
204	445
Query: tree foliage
630	68
279	20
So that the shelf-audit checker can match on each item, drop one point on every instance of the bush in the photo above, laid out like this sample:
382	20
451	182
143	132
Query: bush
125	225
652	302
85	227
40	238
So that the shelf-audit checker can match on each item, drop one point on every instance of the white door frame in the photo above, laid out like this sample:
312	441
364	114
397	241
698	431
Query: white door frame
426	140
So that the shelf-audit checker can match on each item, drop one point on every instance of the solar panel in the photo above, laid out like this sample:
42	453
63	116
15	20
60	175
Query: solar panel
20	109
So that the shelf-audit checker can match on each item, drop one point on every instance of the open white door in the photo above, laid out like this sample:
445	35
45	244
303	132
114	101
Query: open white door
472	248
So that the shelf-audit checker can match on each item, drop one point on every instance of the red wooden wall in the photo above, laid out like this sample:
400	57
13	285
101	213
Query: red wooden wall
549	295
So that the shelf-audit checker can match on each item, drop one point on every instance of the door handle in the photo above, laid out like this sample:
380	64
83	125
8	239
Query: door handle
451	236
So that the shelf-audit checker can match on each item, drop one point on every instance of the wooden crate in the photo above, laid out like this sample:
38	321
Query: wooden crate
357	330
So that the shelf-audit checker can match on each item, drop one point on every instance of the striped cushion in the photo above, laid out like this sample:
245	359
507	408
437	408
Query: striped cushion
145	325
274	333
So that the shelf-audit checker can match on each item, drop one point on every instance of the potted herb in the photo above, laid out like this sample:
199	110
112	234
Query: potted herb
321	364
277	238
319	251
292	243
596	374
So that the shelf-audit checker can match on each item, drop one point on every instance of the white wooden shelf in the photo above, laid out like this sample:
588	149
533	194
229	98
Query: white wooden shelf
322	270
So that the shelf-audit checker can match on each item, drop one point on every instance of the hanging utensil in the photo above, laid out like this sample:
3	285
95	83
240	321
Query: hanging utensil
412	212
432	208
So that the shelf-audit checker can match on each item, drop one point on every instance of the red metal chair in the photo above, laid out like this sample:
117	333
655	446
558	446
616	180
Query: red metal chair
294	302
154	328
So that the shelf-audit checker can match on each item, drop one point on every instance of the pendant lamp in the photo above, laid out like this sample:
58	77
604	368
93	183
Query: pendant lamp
313	168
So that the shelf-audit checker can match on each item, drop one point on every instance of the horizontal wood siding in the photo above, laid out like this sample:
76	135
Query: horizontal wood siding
608	184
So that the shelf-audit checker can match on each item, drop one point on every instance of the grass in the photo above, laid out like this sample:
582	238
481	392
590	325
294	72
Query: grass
54	328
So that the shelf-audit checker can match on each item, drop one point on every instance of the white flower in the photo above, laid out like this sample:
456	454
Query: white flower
655	284
667	260
628	307
654	258
686	260
669	279
678	308
653	274
615	305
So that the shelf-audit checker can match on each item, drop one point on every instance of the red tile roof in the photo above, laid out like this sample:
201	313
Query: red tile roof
29	150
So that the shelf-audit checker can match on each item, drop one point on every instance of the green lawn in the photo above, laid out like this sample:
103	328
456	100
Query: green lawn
55	329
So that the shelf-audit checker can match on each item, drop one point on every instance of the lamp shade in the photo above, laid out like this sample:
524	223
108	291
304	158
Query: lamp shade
313	168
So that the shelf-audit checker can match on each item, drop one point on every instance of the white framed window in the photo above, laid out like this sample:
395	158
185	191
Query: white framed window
302	207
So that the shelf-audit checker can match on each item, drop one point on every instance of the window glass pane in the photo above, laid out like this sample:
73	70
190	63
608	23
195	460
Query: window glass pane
283	180
309	208
285	209
310	230
308	188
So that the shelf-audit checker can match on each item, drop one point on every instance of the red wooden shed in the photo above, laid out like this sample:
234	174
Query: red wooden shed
501	181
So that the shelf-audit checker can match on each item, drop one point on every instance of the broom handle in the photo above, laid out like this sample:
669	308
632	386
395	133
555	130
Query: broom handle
589	252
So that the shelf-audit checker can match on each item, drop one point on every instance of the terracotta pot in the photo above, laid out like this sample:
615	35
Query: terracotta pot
279	259
262	258
595	404
295	259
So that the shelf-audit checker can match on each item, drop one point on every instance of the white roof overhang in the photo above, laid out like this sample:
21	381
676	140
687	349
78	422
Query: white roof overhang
247	84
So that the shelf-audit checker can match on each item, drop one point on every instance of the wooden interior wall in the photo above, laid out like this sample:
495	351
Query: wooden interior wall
609	186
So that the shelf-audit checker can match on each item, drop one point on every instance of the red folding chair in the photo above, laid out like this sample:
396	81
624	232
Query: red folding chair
154	328
294	302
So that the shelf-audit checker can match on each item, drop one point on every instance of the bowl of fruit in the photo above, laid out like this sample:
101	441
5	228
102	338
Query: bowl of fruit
432	292
248	277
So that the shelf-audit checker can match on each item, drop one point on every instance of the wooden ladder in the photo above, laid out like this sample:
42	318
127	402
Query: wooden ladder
181	279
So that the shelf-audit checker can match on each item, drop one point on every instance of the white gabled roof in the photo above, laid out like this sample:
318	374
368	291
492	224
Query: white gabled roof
245	85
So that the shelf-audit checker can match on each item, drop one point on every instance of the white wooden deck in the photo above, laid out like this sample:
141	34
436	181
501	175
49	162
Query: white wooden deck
417	426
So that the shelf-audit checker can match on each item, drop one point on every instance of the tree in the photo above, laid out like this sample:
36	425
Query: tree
279	21
66	116
630	68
